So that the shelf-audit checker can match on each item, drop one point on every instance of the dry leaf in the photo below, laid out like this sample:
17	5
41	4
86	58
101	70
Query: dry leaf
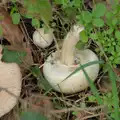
14	35
11	32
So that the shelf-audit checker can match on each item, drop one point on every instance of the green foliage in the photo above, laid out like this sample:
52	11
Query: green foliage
113	78
110	99
42	82
92	19
99	10
83	36
36	10
105	32
32	116
35	23
98	22
11	56
15	18
70	8
1	31
39	9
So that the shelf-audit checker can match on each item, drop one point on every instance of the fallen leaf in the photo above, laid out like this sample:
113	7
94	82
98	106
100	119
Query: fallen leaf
11	32
14	35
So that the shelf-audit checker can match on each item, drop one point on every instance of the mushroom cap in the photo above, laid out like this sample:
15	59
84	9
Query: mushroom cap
55	73
10	79
42	39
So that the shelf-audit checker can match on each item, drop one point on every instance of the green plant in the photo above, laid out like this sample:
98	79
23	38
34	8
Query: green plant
32	116
36	10
105	32
111	99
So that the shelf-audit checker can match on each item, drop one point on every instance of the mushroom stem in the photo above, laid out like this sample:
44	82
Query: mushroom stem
68	48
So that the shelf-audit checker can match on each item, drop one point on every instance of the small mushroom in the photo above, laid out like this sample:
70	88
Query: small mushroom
10	86
42	39
58	67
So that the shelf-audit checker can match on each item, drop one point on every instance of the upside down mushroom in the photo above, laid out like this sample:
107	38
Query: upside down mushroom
10	85
57	67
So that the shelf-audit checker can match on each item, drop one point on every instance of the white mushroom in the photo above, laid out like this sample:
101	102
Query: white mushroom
10	86
42	39
57	68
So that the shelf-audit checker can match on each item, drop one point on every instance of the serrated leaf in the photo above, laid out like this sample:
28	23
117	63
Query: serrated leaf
11	56
98	22
32	116
15	18
99	10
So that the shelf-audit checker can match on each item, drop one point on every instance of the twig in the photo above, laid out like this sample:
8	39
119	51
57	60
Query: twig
91	116
77	109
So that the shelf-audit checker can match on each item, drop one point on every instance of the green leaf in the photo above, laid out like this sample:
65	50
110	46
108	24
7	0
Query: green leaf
77	3
92	98
94	36
42	82
15	18
99	10
39	9
117	34
80	45
86	16
58	1
110	30
70	12
62	2
45	10
1	31
114	21
98	22
109	15
83	36
11	56
35	71
35	23
32	116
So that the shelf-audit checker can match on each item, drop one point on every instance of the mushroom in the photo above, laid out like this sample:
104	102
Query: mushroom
10	85
58	67
42	39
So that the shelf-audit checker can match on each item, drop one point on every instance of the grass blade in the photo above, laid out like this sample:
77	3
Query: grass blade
113	78
92	86
84	66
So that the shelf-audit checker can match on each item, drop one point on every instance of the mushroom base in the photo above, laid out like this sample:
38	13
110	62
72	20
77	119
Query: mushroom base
55	72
